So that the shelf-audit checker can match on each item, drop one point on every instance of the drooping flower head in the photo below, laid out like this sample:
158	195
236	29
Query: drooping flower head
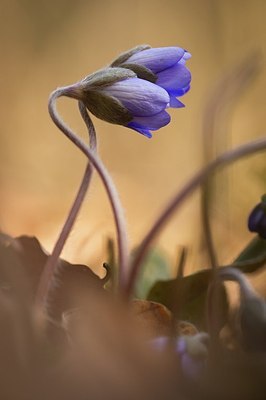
257	218
164	66
138	87
118	96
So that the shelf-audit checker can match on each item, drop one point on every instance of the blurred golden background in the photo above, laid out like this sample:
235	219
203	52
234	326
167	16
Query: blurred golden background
46	44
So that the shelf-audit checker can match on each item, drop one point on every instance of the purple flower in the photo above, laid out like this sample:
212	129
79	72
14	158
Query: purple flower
192	352
137	88
145	101
118	96
257	218
164	66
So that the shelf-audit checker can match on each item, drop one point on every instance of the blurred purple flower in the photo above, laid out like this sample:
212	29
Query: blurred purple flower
257	218
192	352
165	66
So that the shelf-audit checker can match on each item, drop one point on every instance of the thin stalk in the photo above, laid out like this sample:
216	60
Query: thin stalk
222	102
198	179
122	239
218	113
213	307
232	274
205	218
46	280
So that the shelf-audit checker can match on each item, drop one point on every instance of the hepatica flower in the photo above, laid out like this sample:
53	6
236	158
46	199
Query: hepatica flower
164	66
138	87
192	352
257	218
118	96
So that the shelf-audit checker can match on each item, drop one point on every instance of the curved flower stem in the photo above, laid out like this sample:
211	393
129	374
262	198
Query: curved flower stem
89	124
213	307
198	179
205	217
232	274
220	106
46	280
123	254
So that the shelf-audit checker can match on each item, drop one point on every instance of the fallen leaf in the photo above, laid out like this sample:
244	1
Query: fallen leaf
22	260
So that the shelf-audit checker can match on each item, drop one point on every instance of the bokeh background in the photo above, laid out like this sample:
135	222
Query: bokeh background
46	44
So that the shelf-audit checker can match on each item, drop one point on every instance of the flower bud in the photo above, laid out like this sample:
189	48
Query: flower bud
118	96
257	218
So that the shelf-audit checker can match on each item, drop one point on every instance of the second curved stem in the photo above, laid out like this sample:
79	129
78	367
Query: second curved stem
198	179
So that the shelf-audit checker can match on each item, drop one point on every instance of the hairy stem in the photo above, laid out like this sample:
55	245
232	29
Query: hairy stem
123	254
198	179
46	280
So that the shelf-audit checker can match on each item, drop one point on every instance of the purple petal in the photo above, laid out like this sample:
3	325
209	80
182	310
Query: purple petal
157	59
181	345
160	342
145	124
175	78
142	98
185	57
144	132
255	218
154	122
182	91
192	367
175	103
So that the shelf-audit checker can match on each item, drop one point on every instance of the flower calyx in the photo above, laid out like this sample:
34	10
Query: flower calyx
100	103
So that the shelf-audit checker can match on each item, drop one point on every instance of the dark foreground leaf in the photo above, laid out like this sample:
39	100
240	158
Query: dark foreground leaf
22	261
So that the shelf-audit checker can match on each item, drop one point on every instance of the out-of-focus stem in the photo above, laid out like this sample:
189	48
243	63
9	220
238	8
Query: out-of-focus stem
232	274
198	179
221	102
